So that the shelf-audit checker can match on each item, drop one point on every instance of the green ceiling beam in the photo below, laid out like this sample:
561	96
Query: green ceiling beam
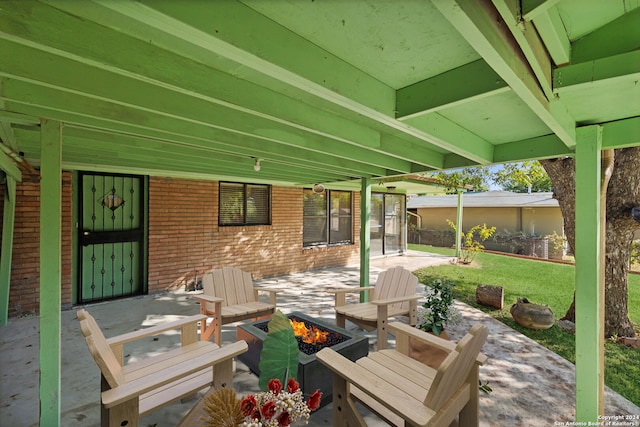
553	34
148	64
480	24
533	8
450	131
220	27
124	144
460	85
625	66
114	149
64	101
317	73
621	133
619	36
163	68
543	147
130	94
8	165
529	41
208	139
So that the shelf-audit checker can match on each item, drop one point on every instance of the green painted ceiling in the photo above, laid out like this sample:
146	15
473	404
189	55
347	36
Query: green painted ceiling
324	91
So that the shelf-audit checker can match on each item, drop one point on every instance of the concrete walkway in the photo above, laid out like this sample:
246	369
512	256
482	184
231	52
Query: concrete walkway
531	385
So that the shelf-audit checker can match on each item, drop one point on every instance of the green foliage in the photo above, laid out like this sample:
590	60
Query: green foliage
547	284
438	310
280	353
470	245
477	177
635	253
518	177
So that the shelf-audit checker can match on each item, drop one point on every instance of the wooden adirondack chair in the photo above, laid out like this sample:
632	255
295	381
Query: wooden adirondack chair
229	296
132	390
394	295
404	391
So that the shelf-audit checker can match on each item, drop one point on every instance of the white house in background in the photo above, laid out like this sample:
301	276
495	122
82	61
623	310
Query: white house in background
534	214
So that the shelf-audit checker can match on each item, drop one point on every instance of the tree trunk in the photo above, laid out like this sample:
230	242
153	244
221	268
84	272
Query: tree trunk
623	193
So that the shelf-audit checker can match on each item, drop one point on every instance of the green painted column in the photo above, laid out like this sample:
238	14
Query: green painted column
365	233
459	230
589	280
8	221
50	268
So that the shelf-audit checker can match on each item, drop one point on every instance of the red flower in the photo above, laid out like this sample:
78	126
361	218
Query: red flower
292	385
313	402
268	410
283	419
248	405
275	386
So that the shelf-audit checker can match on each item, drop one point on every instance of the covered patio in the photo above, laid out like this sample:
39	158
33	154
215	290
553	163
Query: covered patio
354	96
532	386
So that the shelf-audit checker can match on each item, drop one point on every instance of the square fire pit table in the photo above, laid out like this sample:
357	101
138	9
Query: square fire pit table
312	374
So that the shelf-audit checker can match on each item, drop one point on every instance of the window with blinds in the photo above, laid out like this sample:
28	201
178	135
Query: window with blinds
244	204
327	218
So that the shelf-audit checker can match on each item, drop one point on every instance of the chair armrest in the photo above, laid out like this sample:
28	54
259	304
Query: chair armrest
395	300
273	293
339	294
403	331
207	298
348	290
135	388
155	330
392	398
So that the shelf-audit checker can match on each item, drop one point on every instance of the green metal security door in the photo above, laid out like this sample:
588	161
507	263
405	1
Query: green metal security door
111	236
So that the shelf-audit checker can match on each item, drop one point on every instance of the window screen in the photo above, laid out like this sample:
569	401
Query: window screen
244	204
327	218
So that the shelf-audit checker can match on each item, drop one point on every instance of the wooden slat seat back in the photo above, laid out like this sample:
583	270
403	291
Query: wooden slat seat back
404	391
394	294
233	285
100	350
230	296
454	370
131	390
395	282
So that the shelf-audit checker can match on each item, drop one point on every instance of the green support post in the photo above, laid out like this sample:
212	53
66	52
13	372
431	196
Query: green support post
589	280
365	234
459	226
8	221
50	269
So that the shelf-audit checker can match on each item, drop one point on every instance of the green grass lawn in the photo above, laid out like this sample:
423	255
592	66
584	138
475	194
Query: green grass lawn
541	283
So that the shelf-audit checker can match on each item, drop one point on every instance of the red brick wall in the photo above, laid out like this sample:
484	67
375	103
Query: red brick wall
183	237
24	296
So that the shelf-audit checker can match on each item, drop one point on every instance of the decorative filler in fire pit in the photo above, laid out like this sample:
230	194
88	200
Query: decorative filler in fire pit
311	374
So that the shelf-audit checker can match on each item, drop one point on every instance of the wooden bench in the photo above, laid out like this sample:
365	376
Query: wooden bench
394	294
132	390
229	296
404	391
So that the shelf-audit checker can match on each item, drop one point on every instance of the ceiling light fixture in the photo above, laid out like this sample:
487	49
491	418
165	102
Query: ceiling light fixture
256	165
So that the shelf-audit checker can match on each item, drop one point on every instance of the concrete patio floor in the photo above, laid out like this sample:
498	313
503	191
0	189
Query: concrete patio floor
531	385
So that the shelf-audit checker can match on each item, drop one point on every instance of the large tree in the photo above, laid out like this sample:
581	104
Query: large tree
622	194
523	177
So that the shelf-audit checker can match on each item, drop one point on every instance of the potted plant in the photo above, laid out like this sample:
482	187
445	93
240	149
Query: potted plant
434	315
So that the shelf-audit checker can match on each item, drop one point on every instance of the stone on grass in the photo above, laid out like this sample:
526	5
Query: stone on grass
532	316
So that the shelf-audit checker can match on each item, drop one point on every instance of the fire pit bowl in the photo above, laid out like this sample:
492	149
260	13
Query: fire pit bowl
311	374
